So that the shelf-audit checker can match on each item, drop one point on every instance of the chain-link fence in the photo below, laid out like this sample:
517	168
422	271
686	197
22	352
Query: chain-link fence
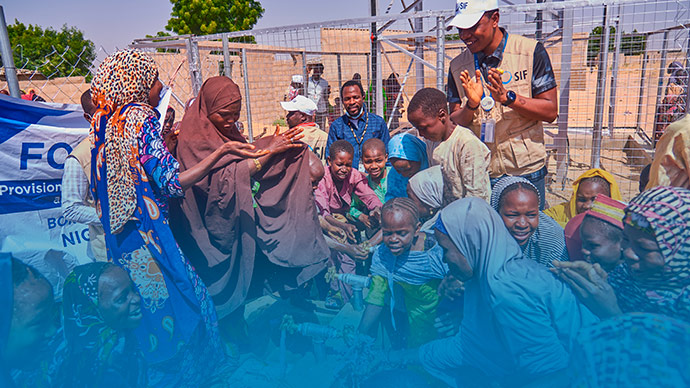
60	76
621	67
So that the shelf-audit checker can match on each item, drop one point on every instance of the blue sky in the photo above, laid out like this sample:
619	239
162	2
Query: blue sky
116	23
111	24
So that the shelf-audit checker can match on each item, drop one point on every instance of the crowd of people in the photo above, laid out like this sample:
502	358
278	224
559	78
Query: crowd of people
474	278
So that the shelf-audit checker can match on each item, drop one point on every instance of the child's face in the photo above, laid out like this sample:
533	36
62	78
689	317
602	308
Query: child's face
340	165
399	230
586	194
406	168
520	213
642	253
598	248
374	161
430	127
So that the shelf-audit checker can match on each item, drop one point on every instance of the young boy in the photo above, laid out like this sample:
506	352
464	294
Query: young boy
464	159
374	158
333	198
601	233
409	260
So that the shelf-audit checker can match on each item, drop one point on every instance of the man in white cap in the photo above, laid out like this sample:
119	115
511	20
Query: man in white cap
502	88
295	89
300	113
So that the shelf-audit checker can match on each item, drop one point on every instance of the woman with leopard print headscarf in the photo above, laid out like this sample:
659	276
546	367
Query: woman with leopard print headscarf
132	175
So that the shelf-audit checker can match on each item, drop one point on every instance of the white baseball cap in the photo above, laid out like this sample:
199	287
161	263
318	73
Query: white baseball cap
300	104
468	12
297	78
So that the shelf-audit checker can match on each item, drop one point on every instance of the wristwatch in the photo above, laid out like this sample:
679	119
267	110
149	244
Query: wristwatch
511	96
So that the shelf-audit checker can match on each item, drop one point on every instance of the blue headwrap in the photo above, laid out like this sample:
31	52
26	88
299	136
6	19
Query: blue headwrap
440	227
407	147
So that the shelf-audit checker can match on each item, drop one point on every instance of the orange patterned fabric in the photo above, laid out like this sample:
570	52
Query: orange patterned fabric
122	78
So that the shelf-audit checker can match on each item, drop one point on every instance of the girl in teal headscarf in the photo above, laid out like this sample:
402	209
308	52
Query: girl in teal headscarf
407	154
518	319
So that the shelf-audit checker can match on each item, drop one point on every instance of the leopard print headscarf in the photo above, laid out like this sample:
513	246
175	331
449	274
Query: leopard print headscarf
123	78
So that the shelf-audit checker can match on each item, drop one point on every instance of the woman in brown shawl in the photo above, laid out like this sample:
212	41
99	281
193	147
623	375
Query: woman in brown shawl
220	228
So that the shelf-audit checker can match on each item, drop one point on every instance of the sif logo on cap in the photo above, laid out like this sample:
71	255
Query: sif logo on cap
468	12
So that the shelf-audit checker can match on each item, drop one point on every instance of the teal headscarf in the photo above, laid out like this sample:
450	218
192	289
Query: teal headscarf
407	147
519	320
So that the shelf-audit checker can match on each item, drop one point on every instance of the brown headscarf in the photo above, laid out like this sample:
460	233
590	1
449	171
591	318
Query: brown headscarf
217	225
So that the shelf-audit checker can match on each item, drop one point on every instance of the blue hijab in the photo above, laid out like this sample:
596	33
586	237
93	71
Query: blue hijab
519	320
407	147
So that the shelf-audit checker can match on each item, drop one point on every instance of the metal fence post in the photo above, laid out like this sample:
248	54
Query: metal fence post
687	69
440	52
601	92
614	72
561	140
643	80
378	85
375	61
8	58
539	21
305	74
340	73
227	65
247	98
419	47
367	55
660	84
194	65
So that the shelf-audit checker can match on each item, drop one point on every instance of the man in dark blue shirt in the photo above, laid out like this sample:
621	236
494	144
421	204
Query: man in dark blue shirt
357	125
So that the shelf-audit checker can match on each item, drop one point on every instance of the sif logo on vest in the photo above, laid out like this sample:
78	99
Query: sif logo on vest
521	75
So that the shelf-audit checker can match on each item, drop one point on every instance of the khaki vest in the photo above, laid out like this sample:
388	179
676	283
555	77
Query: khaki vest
519	142
316	139
82	153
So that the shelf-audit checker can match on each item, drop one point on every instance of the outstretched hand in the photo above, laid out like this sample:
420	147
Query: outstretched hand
350	231
495	86
375	217
451	288
473	87
242	149
589	284
281	142
356	252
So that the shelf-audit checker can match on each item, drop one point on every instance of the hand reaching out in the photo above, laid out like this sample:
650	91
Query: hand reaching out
375	217
365	219
350	231
451	288
337	234
473	87
447	324
495	86
242	149
281	142
356	252
589	284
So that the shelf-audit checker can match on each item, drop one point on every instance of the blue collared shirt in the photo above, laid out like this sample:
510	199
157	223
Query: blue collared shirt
342	128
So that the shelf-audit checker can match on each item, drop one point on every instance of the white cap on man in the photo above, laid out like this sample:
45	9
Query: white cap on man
468	12
300	104
298	79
